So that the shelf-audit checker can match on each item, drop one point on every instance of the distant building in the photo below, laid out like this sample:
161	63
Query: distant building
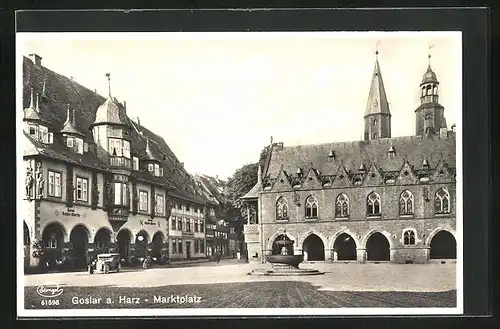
380	199
97	181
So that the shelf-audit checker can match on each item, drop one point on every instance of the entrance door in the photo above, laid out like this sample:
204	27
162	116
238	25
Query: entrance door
188	249
79	239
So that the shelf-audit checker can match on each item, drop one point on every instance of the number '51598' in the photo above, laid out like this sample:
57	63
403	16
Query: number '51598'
50	302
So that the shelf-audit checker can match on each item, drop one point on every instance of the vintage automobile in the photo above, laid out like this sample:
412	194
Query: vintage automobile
105	263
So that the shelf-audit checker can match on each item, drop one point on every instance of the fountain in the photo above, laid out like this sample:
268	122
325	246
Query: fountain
285	263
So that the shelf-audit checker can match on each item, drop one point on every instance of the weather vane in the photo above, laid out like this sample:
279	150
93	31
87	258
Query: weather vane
376	47
429	53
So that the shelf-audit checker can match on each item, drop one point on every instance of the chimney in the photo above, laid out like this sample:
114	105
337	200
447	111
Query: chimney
37	60
454	128
138	121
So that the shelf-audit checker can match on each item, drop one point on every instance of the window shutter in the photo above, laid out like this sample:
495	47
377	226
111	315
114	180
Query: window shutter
161	171
50	138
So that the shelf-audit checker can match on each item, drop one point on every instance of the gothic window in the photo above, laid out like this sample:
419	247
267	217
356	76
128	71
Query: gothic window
374	122
442	202
375	136
409	237
281	209
406	203
311	207
342	206
373	204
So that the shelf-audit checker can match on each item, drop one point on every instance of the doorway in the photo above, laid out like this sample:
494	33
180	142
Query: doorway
79	239
377	248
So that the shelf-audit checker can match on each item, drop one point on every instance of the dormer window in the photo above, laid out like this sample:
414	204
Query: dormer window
157	170
69	142
151	167
79	145
32	130
135	163
85	147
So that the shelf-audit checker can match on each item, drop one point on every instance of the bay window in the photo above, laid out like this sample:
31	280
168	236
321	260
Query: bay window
126	149
121	194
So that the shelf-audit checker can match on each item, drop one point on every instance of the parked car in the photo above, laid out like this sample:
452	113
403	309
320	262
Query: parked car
105	263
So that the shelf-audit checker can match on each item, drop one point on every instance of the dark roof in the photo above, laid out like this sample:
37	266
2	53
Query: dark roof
377	98
212	186
61	91
429	76
352	154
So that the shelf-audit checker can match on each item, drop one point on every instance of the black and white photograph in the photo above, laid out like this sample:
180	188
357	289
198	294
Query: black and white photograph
239	173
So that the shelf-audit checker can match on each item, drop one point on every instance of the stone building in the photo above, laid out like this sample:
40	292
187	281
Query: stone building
96	180
383	198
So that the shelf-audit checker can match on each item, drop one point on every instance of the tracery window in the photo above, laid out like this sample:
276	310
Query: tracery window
311	207
281	209
342	206
373	204
409	237
406	203
442	202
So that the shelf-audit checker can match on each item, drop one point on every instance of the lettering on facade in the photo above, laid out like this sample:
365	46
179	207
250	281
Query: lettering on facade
149	222
70	212
188	234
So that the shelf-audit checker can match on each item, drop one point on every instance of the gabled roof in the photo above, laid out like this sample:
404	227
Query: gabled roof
62	91
352	154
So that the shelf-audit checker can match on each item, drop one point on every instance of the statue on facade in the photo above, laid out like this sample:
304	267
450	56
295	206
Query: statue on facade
108	194
135	200
95	193
29	182
39	180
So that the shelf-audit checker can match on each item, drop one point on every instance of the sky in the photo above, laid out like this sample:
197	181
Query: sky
217	98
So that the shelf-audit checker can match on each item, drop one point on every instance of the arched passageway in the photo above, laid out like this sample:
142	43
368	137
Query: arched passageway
141	242
102	240
52	241
443	246
377	248
124	238
79	239
157	246
278	247
314	248
345	247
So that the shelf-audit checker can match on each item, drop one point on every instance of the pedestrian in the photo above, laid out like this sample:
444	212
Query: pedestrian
238	256
218	256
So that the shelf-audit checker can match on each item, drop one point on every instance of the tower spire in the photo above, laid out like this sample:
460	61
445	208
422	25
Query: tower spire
44	92
37	108
108	75
377	115
31	101
68	117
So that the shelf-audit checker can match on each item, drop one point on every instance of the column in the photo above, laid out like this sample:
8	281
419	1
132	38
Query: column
248	214
361	255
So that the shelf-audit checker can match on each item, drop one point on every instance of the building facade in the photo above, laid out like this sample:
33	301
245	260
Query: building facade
383	198
96	181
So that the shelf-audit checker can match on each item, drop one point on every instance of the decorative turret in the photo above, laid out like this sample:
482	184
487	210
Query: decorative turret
430	114
377	114
34	123
69	127
110	112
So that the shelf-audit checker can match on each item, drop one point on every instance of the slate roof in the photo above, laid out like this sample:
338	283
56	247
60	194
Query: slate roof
59	91
377	98
352	154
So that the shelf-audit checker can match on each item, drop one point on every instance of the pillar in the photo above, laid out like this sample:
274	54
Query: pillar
361	255
392	255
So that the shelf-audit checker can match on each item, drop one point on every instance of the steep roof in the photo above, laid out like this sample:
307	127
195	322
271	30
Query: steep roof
377	98
59	91
352	154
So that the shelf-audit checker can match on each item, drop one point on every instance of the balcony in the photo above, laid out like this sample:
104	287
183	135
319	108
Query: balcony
119	162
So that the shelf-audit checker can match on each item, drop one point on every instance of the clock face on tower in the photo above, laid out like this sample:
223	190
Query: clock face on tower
428	116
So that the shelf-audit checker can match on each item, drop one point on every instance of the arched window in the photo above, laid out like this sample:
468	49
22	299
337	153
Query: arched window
373	204
342	206
374	122
442	202
406	203
51	242
311	207
375	136
281	209
429	90
409	237
435	90
423	91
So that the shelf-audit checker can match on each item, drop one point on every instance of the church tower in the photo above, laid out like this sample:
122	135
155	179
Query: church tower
430	114
377	115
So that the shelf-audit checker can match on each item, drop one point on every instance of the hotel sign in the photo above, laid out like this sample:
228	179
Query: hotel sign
149	222
188	234
69	212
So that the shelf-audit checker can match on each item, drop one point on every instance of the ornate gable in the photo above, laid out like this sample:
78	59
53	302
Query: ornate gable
312	180
282	182
442	172
373	176
406	174
342	177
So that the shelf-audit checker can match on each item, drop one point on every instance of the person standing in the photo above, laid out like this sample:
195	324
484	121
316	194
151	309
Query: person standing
238	255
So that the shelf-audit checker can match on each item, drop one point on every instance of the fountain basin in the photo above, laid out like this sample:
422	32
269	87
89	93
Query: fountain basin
285	261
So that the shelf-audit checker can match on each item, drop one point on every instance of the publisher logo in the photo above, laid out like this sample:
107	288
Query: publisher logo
49	291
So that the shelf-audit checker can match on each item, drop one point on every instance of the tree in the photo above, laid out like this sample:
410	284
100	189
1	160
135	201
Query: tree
237	186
